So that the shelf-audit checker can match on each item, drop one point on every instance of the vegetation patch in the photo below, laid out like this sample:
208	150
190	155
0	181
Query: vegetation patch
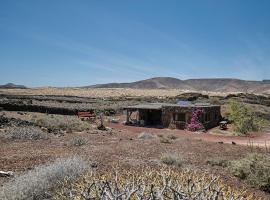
25	133
255	169
79	142
217	162
172	159
165	140
172	137
55	123
146	136
37	183
244	118
150	184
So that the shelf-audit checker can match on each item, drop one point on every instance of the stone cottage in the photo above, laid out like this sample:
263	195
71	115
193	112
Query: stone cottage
175	116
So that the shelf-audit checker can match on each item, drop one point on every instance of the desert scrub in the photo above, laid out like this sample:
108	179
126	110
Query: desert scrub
38	183
60	122
244	118
78	142
172	137
254	168
165	140
217	162
172	159
150	184
146	136
25	133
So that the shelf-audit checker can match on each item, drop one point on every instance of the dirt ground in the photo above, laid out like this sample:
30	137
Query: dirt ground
121	148
256	139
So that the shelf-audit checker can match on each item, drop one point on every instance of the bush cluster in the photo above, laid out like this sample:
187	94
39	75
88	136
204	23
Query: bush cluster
255	169
37	183
243	117
55	123
25	133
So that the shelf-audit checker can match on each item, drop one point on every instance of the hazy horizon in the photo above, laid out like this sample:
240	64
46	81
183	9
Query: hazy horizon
79	43
125	82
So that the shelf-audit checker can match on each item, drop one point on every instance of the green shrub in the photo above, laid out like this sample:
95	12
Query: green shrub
254	168
243	117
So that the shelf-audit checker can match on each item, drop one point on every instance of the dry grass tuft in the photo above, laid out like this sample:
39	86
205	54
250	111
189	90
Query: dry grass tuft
79	142
37	183
146	136
172	159
55	123
25	133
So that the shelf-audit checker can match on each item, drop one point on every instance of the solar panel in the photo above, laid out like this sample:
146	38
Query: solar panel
183	103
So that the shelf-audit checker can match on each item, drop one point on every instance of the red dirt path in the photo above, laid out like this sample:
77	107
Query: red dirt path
261	139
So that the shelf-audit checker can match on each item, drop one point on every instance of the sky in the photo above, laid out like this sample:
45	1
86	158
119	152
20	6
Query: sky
85	42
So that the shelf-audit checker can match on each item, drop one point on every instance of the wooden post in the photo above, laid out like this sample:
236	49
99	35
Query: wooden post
127	120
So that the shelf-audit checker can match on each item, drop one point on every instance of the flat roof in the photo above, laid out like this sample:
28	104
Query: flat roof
159	106
154	106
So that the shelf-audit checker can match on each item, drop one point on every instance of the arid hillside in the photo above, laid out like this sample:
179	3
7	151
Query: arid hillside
213	85
12	86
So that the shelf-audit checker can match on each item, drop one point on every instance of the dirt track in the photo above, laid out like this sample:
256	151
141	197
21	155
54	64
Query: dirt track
257	139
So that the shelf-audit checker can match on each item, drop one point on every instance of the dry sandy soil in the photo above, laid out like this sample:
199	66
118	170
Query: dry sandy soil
121	148
103	93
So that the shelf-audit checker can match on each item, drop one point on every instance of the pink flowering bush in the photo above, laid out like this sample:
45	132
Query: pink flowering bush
195	124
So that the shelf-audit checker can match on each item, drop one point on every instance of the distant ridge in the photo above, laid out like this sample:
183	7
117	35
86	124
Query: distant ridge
12	86
211	84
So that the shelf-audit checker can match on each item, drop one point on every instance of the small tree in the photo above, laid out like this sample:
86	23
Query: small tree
243	118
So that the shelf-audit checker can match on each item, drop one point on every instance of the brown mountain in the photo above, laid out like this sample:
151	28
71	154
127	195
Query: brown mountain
12	86
215	85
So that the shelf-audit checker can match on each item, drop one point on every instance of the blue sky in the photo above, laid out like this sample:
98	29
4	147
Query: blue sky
76	43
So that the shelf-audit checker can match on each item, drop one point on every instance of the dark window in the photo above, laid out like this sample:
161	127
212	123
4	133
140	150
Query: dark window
217	115
179	117
207	117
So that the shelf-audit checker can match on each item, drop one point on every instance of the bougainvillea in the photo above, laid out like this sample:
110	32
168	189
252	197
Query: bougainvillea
195	123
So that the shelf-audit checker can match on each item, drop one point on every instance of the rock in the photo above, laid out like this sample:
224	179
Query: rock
233	143
116	121
94	165
102	128
6	174
44	129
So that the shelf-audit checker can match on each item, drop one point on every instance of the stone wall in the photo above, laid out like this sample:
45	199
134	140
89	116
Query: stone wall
210	117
